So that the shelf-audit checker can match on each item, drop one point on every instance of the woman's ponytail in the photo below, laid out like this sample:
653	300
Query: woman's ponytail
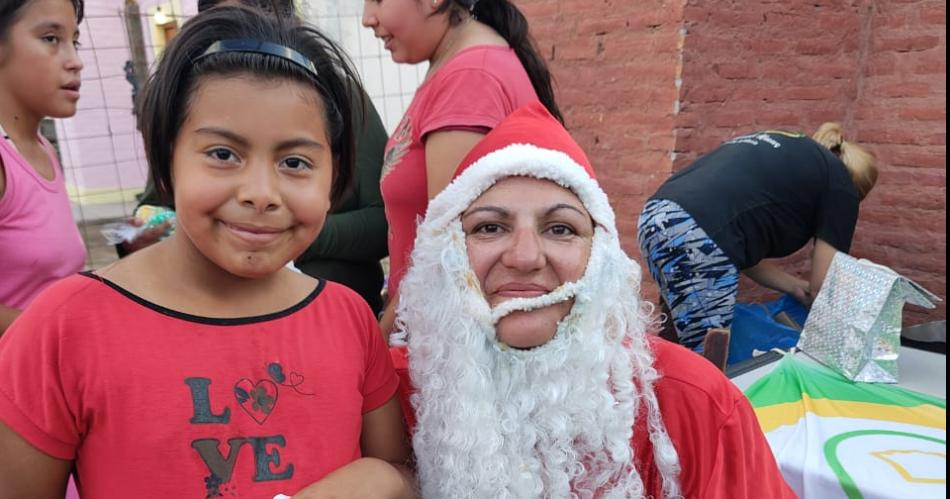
860	163
510	23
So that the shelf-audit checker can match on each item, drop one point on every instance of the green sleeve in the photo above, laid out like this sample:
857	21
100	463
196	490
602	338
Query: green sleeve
150	197
360	233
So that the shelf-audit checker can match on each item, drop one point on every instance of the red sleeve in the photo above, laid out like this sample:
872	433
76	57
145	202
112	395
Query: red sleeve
744	466
38	395
380	380
466	98
722	451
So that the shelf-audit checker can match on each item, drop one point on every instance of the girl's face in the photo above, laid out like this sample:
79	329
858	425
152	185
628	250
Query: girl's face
525	237
39	60
252	170
407	27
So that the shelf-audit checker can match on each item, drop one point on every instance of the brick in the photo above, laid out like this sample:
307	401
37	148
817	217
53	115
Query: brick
924	177
600	26
918	198
914	157
929	113
881	64
901	136
908	43
819	46
934	16
817	92
735	70
538	9
932	68
902	89
574	49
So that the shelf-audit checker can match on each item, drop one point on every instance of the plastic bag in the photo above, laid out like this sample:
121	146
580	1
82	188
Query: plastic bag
760	327
855	322
148	216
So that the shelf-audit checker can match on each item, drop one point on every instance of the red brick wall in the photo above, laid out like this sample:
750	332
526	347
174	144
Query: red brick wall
615	64
901	114
877	66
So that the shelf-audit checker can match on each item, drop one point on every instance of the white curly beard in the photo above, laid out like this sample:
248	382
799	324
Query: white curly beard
554	421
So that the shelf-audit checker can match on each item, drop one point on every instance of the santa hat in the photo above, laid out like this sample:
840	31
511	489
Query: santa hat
532	143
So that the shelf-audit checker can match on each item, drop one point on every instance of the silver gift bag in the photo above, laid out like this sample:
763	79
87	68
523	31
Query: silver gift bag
854	325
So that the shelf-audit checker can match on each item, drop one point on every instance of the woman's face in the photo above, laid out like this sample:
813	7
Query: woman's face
408	28
525	237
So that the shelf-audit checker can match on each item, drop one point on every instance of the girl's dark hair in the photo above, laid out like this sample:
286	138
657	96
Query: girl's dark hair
282	7
166	97
10	11
511	24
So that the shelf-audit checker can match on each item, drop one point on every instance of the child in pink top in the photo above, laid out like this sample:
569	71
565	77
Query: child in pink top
39	78
39	241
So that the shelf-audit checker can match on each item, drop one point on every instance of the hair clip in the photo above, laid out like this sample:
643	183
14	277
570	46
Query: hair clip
251	46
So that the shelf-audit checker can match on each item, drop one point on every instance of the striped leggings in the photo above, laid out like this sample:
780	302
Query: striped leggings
697	280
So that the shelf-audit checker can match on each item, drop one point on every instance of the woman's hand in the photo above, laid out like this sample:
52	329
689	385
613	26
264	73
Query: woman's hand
771	276
802	292
821	259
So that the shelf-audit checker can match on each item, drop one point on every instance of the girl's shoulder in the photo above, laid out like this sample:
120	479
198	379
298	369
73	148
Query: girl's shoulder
337	297
62	309
76	292
491	58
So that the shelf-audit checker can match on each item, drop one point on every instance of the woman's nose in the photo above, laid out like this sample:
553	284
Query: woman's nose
525	253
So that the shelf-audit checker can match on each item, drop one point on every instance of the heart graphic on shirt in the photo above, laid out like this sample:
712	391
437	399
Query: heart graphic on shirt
295	379
257	399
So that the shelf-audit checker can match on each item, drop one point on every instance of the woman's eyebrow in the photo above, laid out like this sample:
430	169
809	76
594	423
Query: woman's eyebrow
491	209
563	206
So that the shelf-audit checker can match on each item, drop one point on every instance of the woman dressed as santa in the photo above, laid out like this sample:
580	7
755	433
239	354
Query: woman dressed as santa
533	373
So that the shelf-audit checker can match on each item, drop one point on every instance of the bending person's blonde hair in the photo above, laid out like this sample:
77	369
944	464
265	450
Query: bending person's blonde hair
861	164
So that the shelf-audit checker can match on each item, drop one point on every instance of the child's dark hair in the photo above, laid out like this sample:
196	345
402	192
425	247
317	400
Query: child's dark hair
166	97
10	12
281	7
510	23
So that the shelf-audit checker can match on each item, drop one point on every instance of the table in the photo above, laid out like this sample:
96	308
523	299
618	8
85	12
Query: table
845	452
918	370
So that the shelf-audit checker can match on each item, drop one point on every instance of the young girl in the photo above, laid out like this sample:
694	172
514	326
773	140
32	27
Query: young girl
200	367
39	77
482	66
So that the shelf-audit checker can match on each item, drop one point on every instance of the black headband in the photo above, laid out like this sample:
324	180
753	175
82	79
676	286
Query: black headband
261	47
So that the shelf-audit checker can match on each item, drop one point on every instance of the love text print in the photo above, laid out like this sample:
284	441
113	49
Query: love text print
256	400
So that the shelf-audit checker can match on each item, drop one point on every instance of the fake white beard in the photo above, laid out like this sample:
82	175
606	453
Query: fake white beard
554	421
